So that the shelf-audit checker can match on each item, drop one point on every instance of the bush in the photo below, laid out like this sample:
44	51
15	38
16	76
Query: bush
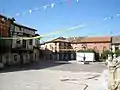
117	53
105	54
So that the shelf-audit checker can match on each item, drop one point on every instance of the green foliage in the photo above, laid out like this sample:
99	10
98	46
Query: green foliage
105	54
117	53
88	50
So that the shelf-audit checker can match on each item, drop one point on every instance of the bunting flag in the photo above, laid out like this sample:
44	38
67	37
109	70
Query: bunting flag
118	15
105	19
77	0
44	7
42	36
30	11
69	1
52	5
17	14
111	17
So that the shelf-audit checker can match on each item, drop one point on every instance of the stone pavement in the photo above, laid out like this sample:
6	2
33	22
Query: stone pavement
46	79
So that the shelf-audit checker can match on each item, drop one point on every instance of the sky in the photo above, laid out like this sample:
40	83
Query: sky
98	17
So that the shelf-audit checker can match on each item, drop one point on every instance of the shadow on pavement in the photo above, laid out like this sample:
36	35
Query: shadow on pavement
32	66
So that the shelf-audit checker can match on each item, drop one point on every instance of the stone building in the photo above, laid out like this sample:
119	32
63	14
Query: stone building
58	49
19	48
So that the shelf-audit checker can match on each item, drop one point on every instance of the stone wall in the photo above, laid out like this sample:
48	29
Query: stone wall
23	58
114	74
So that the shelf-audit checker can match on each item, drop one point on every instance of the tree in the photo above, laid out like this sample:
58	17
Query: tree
117	53
105	54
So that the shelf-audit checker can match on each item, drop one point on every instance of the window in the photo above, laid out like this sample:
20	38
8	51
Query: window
55	43
12	27
50	46
46	47
30	42
15	57
95	48
24	43
116	47
35	56
18	41
104	48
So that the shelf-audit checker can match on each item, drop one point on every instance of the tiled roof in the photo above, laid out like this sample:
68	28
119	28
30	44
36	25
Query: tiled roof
91	39
60	39
96	39
83	39
25	26
116	40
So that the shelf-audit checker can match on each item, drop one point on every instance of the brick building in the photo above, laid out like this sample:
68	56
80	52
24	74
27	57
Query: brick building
99	44
5	25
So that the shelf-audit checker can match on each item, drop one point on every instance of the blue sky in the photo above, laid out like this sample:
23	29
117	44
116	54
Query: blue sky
89	13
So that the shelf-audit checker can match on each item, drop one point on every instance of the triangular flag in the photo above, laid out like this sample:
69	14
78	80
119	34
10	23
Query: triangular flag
45	7
52	5
69	2
17	14
105	19
118	15
30	11
77	0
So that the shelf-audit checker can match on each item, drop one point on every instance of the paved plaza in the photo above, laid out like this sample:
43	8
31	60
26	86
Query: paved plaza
53	76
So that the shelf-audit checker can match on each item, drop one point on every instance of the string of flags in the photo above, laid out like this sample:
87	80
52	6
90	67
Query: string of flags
111	17
45	35
51	5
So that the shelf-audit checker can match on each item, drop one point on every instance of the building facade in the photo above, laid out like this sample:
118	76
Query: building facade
21	50
99	44
115	43
58	49
66	48
5	25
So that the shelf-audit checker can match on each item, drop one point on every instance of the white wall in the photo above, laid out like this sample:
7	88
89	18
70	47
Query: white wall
89	56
